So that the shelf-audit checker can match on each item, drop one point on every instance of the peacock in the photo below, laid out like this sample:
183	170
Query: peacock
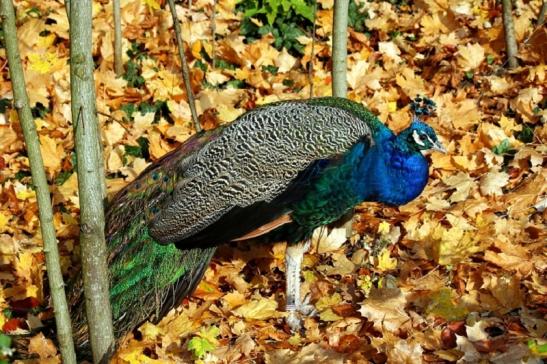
280	170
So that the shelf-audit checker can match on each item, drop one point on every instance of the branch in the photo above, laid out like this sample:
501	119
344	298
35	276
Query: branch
118	63
90	182
51	251
185	70
510	39
339	48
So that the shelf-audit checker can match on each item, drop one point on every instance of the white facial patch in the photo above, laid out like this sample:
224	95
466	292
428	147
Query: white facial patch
417	139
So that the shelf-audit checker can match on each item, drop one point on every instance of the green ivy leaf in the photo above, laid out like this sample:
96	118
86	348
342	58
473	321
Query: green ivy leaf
502	148
205	342
303	9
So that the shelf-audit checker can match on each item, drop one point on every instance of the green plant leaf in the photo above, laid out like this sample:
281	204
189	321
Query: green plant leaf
205	342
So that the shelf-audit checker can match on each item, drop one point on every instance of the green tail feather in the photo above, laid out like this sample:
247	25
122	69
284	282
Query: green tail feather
147	280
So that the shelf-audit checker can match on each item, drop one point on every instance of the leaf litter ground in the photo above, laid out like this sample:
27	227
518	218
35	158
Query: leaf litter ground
458	275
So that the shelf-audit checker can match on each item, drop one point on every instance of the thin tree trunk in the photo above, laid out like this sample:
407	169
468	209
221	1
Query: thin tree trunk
185	70
118	63
339	48
310	65
51	251
541	17
213	32
339	68
90	182
509	29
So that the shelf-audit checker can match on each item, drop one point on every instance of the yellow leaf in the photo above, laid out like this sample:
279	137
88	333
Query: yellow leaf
3	220
492	183
23	192
284	61
46	40
196	49
309	276
462	182
181	325
295	340
234	299
455	244
436	203
470	56
44	62
150	331
42	346
329	315
327	241
68	191
32	291
385	307
52	153
23	265
114	133
153	4
390	50
260	309
328	301
216	77
383	228
385	262
443	303
411	83
134	355
526	101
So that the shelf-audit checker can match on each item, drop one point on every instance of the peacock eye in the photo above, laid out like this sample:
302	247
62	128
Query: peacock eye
423	137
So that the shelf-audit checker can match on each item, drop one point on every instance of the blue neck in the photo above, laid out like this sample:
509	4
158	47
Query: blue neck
390	172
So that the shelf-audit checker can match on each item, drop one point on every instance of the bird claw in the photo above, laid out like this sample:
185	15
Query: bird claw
306	308
295	314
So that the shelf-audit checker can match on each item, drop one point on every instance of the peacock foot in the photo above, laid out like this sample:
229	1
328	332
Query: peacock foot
297	312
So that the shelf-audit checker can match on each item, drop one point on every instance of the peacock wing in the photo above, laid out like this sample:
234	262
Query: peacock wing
254	161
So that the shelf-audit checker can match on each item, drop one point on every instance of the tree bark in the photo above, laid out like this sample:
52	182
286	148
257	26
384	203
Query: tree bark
509	29
90	182
185	70
339	67
339	48
541	16
51	251
312	55
118	62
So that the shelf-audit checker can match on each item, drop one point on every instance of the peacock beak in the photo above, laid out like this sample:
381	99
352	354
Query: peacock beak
437	146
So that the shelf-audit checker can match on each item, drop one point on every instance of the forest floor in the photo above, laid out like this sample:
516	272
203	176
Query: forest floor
458	275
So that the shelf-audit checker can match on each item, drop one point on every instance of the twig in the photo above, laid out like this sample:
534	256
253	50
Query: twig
91	183
67	7
510	39
185	70
213	31
339	48
118	63
51	251
310	65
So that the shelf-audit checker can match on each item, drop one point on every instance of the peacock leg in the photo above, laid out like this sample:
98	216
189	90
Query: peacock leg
295	306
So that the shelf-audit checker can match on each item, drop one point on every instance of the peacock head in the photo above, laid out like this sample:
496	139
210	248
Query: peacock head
421	137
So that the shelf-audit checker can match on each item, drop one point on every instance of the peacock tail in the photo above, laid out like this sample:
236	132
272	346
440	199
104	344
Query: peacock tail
146	279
